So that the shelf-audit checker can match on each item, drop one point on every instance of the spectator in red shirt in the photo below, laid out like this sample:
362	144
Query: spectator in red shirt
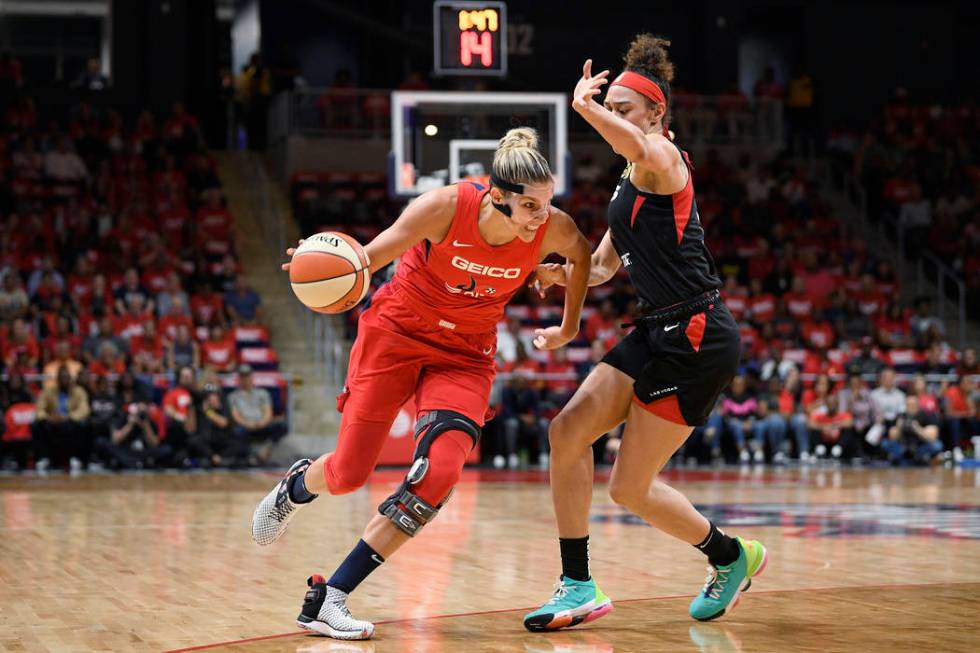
80	281
206	306
870	302
147	349
178	316
156	272
62	334
960	411
832	427
213	221
928	403
21	341
179	412
819	333
218	352
893	327
761	304
735	297
799	302
108	362
130	323
601	324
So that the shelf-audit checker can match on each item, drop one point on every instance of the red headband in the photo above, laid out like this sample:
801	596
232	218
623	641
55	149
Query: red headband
641	85
645	87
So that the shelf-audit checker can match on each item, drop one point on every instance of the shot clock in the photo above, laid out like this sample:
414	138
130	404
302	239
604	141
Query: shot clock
470	38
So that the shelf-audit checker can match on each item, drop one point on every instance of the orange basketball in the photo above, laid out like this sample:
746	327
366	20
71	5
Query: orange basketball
330	272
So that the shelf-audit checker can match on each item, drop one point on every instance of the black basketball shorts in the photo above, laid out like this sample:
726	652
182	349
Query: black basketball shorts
680	368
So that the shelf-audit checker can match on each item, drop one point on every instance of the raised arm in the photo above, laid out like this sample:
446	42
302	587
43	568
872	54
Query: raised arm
651	152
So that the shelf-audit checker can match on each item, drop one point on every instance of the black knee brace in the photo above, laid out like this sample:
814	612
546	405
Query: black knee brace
406	510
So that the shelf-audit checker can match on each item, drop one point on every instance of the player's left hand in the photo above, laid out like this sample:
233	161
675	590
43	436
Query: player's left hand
551	338
289	252
588	86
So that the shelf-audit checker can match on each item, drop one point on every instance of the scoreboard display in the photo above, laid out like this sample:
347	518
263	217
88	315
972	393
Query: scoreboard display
470	38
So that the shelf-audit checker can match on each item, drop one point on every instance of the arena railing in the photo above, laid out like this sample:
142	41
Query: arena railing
365	113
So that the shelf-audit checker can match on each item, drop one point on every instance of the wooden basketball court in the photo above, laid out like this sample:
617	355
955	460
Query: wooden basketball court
860	561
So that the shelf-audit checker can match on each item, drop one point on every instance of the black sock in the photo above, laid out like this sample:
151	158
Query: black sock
357	566
297	490
574	557
720	548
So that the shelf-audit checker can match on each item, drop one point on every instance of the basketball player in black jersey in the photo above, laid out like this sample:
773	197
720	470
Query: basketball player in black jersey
665	376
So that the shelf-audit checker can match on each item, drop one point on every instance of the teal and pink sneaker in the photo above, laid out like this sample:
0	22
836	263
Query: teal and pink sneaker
725	584
574	602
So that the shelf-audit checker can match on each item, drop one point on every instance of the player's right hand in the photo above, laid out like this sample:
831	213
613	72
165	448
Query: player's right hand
289	253
547	275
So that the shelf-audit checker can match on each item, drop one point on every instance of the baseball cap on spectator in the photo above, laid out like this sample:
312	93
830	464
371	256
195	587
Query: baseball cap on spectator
244	369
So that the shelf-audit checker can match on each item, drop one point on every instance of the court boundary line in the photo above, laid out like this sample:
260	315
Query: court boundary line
666	597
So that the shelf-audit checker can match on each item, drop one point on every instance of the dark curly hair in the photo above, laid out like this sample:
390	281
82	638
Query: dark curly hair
647	56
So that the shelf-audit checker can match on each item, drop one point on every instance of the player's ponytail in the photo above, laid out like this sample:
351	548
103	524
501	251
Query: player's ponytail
518	160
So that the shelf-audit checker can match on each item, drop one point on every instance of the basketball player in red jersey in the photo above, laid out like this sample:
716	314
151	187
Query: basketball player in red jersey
431	332
664	377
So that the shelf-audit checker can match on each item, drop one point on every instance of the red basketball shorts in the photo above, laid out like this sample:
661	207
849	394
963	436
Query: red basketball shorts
397	355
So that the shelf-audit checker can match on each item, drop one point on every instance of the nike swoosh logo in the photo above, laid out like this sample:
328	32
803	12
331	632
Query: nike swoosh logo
376	558
456	243
671	327
487	351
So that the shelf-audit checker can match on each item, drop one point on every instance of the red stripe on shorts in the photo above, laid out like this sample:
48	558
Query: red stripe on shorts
695	330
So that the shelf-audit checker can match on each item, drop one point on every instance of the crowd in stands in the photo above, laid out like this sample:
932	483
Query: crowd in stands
823	328
919	164
128	334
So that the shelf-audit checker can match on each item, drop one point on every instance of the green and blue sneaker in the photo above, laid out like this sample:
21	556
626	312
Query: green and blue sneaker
725	583
574	602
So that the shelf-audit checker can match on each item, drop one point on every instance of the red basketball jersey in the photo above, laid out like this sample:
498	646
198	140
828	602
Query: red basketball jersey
463	283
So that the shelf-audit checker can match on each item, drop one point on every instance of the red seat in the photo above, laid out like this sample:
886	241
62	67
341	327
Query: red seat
260	358
250	336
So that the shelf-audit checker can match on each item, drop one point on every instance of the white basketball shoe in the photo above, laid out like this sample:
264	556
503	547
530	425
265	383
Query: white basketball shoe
325	612
276	509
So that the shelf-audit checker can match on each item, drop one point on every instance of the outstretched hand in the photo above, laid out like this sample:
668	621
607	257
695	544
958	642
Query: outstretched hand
289	253
551	338
547	275
588	86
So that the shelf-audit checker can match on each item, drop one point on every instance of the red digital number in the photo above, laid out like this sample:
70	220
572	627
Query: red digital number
471	43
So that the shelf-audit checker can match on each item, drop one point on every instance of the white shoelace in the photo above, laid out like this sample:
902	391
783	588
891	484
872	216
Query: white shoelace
715	583
560	592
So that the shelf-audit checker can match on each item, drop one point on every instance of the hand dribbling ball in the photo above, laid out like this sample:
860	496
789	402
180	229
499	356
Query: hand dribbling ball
329	272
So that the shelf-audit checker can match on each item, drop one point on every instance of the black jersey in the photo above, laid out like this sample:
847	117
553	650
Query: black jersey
661	243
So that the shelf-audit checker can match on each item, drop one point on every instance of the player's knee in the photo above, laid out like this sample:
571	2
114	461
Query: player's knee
565	435
559	432
437	483
626	494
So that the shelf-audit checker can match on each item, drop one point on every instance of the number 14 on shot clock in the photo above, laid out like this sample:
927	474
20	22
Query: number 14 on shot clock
470	38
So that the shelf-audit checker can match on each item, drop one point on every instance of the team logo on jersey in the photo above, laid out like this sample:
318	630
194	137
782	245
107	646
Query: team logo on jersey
462	288
626	259
485	270
470	290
